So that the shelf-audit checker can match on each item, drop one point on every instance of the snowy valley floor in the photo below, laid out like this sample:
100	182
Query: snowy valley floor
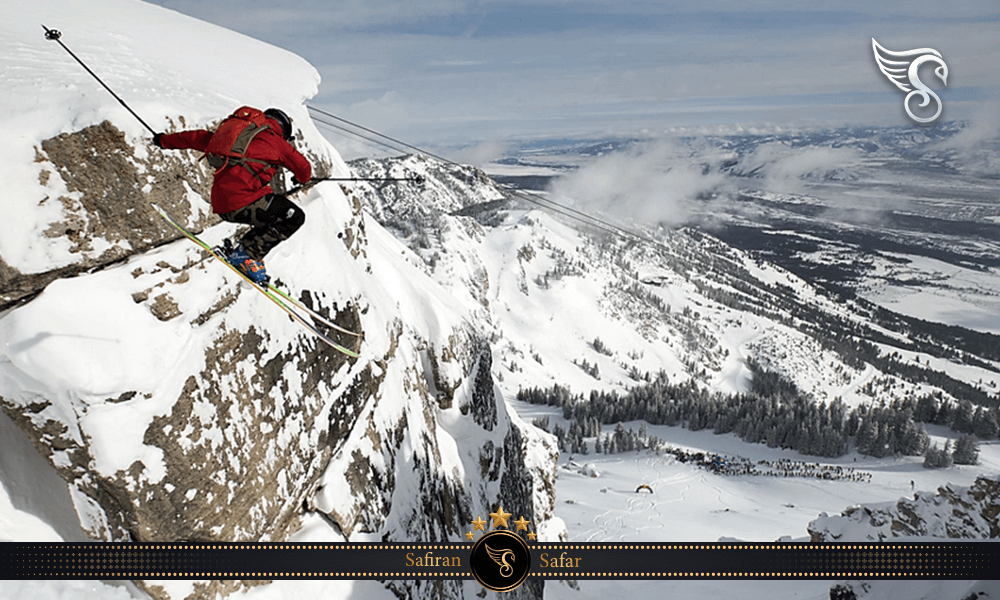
688	503
692	504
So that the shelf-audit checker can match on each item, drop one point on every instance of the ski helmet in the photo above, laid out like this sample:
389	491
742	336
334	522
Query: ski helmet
284	120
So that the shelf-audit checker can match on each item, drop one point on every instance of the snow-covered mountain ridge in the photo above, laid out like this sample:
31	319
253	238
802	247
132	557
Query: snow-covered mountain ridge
903	217
701	306
701	309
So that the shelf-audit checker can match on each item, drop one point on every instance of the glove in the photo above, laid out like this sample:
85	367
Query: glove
156	140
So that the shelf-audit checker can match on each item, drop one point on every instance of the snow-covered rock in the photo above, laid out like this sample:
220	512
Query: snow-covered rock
435	188
953	512
916	589
177	403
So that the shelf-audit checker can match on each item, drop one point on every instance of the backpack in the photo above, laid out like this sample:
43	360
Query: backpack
229	143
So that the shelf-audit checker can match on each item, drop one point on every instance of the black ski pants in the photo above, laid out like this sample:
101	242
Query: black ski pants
272	220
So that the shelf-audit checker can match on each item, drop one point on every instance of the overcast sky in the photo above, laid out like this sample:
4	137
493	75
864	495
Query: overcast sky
454	71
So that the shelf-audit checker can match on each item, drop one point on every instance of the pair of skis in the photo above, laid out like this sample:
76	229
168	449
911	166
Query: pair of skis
281	298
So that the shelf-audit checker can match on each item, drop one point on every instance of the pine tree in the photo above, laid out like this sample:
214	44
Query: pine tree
867	436
944	413
933	458
927	408
560	434
936	458
915	440
962	418
946	454
966	450
619	438
984	424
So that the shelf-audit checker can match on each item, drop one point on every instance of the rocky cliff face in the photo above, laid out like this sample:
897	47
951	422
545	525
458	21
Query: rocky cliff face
96	188
204	486
953	512
179	404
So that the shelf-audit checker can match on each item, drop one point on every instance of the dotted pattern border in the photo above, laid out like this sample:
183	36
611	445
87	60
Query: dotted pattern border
153	561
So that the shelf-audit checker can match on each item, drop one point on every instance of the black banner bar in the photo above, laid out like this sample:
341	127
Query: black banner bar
766	561
972	560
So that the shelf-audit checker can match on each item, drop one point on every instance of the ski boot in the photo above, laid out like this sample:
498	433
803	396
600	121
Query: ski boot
253	269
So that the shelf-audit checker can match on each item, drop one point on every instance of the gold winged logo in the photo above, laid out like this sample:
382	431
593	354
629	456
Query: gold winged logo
500	557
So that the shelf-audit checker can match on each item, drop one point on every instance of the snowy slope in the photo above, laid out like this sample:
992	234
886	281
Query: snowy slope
114	335
548	292
155	59
177	403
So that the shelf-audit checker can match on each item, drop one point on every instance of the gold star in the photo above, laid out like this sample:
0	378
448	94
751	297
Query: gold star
470	535
531	535
499	518
479	524
521	524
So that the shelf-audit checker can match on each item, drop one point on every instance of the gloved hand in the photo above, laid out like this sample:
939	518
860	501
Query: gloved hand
156	140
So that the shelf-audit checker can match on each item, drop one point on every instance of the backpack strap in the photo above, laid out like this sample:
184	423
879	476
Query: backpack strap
240	147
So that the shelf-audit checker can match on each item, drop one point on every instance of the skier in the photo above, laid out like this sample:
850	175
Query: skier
246	151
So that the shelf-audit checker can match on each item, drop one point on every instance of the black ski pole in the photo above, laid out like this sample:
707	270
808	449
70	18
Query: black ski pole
54	35
418	180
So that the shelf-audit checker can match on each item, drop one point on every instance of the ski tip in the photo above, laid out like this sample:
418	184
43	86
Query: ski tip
347	352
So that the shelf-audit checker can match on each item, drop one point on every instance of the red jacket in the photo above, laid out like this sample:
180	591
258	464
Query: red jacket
234	187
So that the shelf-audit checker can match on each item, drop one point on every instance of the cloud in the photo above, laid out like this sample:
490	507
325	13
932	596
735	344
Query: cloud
976	148
468	70
680	180
654	183
785	168
480	154
263	17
